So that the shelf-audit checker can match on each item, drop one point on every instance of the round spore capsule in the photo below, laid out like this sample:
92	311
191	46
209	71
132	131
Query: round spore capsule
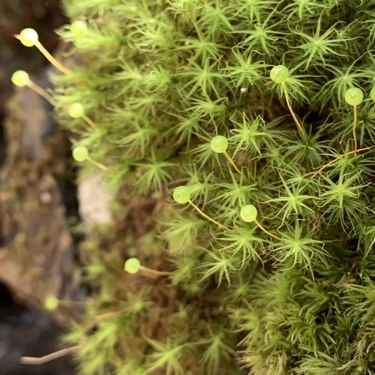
76	110
181	194
78	29
80	153
354	96
248	213
279	73
132	265
51	303
20	78
29	37
219	144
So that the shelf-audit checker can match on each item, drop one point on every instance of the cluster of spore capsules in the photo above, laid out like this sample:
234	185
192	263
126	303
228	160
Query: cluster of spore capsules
219	144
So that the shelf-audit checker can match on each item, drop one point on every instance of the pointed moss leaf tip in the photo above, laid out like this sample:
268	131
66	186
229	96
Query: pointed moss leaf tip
219	144
132	265
181	194
248	213
354	96
279	73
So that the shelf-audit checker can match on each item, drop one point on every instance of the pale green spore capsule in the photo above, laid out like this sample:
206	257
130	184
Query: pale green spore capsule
279	73
132	265
80	153
181	194
29	37
354	96
78	29
248	213
51	303
219	144
20	78
76	110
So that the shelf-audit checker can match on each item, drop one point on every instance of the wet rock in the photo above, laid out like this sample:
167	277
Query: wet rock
24	332
38	255
37	252
36	117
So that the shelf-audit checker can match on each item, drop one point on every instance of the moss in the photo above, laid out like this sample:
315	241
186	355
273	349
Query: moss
160	80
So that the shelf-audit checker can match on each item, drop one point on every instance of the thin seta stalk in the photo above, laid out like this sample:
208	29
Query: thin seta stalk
354	128
99	165
301	129
249	214
280	74
354	97
53	61
208	217
234	165
340	157
182	195
266	231
81	154
219	145
43	93
29	38
21	79
76	110
133	266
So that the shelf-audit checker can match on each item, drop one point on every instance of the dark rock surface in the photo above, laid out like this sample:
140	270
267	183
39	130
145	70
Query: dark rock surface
27	332
37	252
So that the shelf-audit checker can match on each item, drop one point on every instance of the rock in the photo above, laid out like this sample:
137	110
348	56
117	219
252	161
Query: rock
94	199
